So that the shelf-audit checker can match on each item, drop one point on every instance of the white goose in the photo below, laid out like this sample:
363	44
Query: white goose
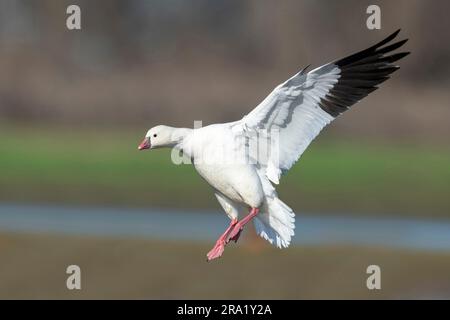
242	159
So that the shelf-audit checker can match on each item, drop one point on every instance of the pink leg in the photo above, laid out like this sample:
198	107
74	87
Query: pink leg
236	237
236	232
218	249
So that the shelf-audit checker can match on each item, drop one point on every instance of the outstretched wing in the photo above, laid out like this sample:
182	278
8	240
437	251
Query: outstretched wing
298	109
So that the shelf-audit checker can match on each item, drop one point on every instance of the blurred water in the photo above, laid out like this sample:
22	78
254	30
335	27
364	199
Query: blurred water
198	226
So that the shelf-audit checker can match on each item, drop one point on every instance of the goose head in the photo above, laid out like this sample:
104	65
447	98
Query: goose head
158	137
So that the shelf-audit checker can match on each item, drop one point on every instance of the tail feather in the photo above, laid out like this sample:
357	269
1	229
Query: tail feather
275	222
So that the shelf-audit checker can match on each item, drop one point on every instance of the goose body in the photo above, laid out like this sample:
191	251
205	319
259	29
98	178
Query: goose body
219	158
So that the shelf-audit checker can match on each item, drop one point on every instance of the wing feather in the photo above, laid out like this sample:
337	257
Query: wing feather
295	112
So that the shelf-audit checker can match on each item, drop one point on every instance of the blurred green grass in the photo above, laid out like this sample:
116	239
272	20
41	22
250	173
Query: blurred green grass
88	166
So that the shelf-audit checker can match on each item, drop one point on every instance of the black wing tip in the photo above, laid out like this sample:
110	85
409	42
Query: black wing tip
402	42
397	56
386	40
303	70
396	32
392	36
362	73
378	49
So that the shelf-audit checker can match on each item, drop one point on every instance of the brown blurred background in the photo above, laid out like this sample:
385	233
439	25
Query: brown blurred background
141	62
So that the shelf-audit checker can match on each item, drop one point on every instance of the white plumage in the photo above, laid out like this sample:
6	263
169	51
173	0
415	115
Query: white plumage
242	159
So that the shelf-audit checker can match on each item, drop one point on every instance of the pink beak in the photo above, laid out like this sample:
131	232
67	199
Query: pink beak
144	144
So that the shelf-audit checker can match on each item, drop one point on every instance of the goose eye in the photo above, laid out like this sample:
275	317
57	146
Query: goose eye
154	136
